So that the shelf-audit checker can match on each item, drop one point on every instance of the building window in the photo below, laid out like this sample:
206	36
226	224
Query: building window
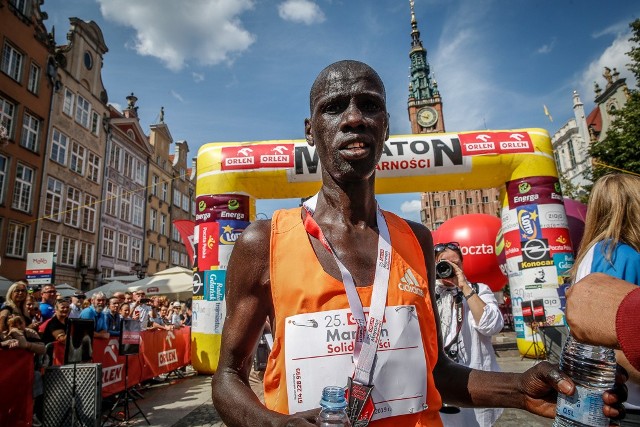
108	241
177	197
72	207
12	62
125	205
23	188
453	202
141	173
83	109
34	78
175	234
154	185
49	242
485	199
163	224
185	203
86	252
183	174
572	154
4	167
95	123
111	202
106	272
163	254
138	209
153	219
436	203
128	163
68	248
469	201
53	201
93	167
30	132
152	250
59	144
67	106
175	257
89	213
77	158
123	246
7	111
165	190
136	250
16	240
114	157
22	6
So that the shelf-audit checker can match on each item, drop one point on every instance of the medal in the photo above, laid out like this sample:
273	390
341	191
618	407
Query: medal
360	407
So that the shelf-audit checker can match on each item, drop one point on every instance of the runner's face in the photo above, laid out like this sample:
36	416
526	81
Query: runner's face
349	123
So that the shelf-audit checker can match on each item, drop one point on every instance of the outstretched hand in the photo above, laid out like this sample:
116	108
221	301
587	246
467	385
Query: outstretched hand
540	384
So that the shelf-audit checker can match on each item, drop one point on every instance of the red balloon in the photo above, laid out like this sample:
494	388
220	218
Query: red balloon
476	234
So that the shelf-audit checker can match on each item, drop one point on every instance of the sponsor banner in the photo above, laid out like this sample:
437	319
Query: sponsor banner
260	156
186	229
552	216
540	277
214	288
528	222
214	207
495	143
551	301
160	352
208	234
231	230
509	220
537	189
535	251
564	263
39	269
512	246
198	285
402	156
559	240
208	316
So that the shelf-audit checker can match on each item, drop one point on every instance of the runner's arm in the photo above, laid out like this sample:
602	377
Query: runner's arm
248	305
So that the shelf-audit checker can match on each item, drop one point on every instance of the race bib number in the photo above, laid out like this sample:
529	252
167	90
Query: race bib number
319	352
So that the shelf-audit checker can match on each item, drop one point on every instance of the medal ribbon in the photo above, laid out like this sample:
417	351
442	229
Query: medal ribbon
368	332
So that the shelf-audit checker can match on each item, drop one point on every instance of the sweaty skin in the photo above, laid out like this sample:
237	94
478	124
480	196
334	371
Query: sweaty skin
348	126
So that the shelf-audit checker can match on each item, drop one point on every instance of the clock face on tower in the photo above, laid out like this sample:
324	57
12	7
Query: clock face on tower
427	117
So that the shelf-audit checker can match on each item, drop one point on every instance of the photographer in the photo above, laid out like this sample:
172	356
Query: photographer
469	316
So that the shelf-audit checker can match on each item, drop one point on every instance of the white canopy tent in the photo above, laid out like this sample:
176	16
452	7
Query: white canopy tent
123	279
175	282
108	289
66	290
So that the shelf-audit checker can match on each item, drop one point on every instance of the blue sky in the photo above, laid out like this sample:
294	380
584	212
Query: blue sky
240	70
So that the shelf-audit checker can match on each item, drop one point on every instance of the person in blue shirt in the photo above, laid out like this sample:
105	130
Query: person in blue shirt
113	316
48	302
96	313
611	245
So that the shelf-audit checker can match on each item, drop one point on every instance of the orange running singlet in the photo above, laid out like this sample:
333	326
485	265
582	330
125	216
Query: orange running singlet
314	332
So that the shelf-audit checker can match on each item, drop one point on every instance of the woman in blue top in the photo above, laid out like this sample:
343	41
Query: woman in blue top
611	245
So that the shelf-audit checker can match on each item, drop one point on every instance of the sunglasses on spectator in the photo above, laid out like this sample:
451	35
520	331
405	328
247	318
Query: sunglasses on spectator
19	290
454	246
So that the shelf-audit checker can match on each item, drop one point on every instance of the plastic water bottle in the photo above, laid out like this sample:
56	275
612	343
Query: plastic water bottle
593	370
334	408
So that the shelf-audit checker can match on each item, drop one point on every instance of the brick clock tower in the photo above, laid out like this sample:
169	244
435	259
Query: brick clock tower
425	104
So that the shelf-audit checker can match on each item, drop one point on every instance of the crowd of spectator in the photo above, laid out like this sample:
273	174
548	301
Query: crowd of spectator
31	317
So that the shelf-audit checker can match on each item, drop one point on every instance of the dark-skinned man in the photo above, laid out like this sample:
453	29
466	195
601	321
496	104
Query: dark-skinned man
345	288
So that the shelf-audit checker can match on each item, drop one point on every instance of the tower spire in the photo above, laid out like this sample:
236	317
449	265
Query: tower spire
421	86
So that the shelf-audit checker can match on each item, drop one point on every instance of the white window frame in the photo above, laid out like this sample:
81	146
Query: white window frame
17	235
155	180
114	157
69	101
48	242
30	137
33	84
125	204
12	60
7	115
89	213
59	147
95	123
108	241
153	219
162	254
165	190
72	207
185	203
136	249
175	233
77	158
140	176
93	166
23	188
123	246
53	199
83	111
137	211
4	168
152	250
163	224
87	251
177	197
111	199
175	257
68	251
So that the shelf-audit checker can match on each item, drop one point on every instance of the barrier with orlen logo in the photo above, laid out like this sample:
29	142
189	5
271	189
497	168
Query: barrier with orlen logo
534	221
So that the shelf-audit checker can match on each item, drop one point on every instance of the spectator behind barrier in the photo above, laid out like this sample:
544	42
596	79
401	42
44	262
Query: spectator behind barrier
96	313
32	308
48	301
112	316
55	329
14	304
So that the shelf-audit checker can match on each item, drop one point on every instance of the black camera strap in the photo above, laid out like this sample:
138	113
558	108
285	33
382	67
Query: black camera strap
459	310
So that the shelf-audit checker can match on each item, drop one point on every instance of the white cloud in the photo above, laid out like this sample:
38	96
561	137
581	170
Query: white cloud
179	32
177	96
197	77
547	48
301	11
410	206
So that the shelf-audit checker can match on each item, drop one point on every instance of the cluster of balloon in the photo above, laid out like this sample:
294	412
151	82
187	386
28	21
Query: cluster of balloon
477	235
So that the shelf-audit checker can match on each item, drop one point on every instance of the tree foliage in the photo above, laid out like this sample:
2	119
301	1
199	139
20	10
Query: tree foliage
619	149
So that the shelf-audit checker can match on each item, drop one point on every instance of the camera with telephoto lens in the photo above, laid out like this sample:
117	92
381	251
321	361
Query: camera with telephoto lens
444	270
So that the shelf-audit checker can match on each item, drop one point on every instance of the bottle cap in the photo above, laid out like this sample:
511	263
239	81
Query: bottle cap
333	398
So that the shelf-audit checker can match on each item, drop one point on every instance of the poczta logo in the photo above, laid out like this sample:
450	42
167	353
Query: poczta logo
535	250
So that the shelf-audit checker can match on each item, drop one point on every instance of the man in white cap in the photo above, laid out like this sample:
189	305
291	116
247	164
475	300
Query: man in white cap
75	308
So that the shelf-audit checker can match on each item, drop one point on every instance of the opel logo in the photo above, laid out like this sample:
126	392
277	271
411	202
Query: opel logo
535	249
